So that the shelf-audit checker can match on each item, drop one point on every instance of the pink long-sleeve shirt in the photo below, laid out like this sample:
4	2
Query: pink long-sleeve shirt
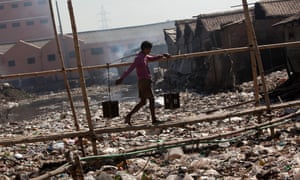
141	65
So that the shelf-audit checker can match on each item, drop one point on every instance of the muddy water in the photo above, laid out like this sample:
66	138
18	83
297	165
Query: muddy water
33	108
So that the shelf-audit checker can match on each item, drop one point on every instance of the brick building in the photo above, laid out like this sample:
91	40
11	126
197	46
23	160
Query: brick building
24	20
97	47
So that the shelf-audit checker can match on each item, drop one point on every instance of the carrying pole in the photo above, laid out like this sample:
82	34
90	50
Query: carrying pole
108	82
82	80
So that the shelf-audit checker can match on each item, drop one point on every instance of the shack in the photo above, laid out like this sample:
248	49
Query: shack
290	89
227	30
291	27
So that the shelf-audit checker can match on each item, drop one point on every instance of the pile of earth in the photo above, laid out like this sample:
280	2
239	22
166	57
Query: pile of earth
10	93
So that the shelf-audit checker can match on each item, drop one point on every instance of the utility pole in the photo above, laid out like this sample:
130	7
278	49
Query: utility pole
103	18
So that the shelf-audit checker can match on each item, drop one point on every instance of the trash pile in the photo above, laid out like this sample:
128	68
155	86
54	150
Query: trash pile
9	97
143	155
9	93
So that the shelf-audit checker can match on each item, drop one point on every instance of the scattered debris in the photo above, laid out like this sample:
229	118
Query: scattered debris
250	156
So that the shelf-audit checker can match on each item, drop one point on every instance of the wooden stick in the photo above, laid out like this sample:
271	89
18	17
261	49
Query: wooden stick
228	107
76	169
254	47
217	136
52	173
174	57
252	41
81	74
169	144
67	85
256	53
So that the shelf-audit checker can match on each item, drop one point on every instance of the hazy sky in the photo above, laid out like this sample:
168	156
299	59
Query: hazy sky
101	14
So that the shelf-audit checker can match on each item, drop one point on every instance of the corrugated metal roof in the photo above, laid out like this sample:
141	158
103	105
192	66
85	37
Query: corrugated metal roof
171	33
30	44
289	20
280	7
109	35
193	26
215	21
37	44
118	34
6	47
185	21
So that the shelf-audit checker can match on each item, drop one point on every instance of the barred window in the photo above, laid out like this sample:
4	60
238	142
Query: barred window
115	49
16	24
44	21
30	23
51	57
14	5
97	51
31	60
11	63
2	26
28	3
42	2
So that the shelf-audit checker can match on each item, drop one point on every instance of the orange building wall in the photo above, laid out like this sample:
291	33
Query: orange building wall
25	20
21	54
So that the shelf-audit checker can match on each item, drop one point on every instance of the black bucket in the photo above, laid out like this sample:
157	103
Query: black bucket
110	109
172	100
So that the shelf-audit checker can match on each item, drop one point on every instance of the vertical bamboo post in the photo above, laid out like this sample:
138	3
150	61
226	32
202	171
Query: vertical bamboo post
255	53
253	63
254	72
78	168
65	75
82	80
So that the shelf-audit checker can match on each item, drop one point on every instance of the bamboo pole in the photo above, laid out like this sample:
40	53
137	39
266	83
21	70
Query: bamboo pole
76	169
171	144
67	85
82	80
253	59
174	57
55	172
254	72
207	139
228	107
30	74
255	50
79	170
123	128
